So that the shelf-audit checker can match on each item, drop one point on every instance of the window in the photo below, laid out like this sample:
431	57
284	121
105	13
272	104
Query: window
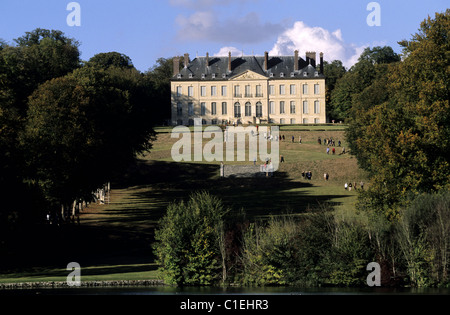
259	91
224	90
316	89
305	120
190	91
178	91
282	107
282	121
248	91
248	109
271	89
292	107
271	107
202	109
237	110
213	108
282	90
190	109
316	107
224	108
305	107
305	88
213	90
259	112
214	122
203	91
316	120
292	121
179	109
237	91
293	89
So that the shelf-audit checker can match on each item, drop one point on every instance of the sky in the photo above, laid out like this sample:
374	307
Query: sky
146	30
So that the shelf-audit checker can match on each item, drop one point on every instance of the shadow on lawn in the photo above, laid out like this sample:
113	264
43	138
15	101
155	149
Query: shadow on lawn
258	196
124	235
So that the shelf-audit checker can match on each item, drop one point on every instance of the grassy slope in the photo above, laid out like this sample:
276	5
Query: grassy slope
114	240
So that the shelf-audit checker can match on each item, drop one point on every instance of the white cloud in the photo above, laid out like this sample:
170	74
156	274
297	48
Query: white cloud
207	25
304	38
223	52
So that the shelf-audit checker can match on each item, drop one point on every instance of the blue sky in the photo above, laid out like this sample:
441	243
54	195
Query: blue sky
146	30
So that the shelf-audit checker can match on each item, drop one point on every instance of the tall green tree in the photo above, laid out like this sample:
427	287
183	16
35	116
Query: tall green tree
360	76
84	128
404	139
38	56
333	72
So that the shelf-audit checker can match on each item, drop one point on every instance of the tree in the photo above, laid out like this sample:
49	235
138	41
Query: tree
84	128
187	240
106	60
159	75
404	145
360	76
39	56
333	72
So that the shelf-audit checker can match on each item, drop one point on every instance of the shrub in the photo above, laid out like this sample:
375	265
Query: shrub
187	240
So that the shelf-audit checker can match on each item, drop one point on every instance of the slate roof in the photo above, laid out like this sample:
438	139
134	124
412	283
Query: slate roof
279	67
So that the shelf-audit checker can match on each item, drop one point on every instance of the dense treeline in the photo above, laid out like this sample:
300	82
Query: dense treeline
68	126
201	242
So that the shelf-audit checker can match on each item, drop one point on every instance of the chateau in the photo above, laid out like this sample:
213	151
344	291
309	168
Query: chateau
248	90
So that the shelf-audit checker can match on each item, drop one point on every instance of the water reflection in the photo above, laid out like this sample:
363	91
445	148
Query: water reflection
168	290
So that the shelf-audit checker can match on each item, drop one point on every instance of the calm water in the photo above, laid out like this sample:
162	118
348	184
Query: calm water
162	290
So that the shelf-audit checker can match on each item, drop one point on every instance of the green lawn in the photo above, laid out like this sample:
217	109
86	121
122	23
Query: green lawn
114	240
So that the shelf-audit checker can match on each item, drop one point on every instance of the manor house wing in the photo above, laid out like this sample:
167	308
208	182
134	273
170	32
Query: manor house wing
248	90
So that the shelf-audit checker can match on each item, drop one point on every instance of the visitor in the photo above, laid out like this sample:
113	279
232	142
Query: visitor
346	186
350	186
328	150
334	151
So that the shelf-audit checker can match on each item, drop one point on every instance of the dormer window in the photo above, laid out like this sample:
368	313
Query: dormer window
224	75
190	76
271	75
213	75
305	74
203	75
292	74
316	73
282	75
179	76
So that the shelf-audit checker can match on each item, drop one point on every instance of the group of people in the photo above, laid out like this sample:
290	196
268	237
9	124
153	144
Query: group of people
349	186
328	142
307	175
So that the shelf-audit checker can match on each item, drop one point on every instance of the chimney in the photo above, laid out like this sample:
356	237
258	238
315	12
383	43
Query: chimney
296	60
266	61
311	58
321	62
207	59
186	60
229	61
176	66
